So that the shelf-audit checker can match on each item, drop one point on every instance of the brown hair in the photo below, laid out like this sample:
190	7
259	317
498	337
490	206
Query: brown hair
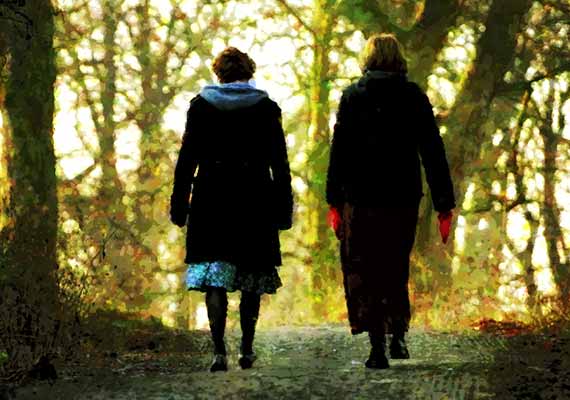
233	65
383	52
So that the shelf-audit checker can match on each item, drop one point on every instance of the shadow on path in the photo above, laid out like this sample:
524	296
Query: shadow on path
328	363
531	367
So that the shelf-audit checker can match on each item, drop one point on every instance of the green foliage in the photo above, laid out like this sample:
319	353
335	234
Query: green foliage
381	16
359	12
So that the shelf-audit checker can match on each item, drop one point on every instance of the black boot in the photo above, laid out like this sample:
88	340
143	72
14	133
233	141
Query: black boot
377	358
246	360
398	348
220	363
249	312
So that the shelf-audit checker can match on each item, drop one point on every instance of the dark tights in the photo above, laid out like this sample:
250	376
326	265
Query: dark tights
217	305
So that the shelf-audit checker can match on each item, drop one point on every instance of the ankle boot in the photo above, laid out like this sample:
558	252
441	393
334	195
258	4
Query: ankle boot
246	360
377	360
398	348
220	363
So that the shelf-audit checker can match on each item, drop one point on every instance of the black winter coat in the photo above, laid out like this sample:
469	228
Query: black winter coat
384	123
241	194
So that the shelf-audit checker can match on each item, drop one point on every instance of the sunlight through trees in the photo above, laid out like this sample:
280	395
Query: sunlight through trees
496	71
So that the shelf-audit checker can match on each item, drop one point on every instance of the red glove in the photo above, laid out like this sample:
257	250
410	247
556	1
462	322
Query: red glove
333	218
445	224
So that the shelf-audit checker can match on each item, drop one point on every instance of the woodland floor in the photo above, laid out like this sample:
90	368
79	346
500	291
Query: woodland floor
323	362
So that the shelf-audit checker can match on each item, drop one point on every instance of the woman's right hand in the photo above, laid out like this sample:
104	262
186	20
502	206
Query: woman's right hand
334	220
445	224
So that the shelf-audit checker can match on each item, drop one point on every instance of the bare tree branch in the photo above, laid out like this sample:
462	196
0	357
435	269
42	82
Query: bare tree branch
77	179
519	87
160	66
296	15
80	78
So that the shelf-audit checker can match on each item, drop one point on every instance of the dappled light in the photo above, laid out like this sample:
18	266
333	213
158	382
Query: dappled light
77	139
77	144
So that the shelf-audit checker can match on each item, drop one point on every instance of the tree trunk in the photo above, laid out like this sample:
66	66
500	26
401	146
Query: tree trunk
28	252
533	303
111	188
324	274
549	208
495	51
31	169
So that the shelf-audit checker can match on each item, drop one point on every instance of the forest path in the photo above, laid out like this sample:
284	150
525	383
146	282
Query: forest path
327	363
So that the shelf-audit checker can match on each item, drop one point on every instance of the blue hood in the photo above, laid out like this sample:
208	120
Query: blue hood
231	96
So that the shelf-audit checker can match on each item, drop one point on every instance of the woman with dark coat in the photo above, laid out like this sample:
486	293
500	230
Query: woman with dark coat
385	123
233	162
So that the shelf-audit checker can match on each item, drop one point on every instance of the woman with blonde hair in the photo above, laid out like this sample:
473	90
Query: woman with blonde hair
384	124
233	160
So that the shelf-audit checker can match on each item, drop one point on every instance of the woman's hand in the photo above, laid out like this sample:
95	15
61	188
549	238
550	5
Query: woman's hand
334	220
445	224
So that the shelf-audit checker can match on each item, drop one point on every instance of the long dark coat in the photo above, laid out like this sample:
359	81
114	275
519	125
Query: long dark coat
241	194
384	125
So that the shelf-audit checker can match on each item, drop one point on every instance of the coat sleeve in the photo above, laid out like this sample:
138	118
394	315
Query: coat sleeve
337	165
432	152
185	168
281	172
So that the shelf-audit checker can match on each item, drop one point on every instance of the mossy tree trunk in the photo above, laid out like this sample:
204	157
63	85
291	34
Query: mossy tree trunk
28	240
29	102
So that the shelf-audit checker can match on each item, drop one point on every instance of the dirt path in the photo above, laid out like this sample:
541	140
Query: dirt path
327	363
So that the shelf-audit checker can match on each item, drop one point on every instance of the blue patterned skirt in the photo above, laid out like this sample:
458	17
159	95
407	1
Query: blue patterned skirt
226	275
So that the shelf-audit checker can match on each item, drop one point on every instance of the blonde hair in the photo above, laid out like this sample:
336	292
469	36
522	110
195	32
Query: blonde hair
383	52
